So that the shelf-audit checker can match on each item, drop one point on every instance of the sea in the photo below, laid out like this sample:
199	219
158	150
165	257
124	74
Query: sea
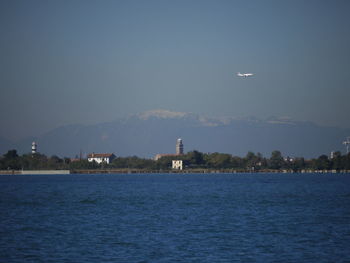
175	218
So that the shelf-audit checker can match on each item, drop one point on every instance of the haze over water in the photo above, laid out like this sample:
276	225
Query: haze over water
167	218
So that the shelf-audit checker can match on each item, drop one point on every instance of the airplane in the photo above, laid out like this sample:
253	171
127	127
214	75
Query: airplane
244	74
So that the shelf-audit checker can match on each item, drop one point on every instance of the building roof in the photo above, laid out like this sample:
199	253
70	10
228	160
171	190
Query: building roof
160	155
75	160
100	155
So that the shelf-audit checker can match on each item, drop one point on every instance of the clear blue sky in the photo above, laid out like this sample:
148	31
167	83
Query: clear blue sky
68	62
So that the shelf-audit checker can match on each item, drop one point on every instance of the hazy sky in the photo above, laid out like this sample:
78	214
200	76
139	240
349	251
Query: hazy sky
67	62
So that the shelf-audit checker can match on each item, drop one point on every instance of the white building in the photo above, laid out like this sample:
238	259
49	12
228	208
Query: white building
177	164
101	157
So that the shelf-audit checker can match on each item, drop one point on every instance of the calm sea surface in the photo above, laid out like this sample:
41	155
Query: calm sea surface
175	218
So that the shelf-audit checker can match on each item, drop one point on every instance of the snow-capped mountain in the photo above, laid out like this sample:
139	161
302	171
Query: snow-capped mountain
156	131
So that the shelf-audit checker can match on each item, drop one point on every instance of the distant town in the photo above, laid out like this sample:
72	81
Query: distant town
190	162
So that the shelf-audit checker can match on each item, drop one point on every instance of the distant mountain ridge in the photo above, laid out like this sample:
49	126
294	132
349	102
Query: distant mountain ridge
152	132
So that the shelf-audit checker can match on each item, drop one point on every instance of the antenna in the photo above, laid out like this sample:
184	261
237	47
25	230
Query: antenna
347	143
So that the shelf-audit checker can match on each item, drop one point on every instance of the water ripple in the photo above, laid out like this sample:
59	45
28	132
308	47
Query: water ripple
180	218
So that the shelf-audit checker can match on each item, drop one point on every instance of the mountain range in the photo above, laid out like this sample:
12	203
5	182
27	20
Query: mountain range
152	132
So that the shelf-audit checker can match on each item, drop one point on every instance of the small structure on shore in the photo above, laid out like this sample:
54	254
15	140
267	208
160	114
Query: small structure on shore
177	164
101	157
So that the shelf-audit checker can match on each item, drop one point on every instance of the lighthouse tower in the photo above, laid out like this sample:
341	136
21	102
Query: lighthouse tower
34	147
179	147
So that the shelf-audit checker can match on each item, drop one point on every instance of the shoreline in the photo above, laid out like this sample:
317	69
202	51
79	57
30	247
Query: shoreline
186	171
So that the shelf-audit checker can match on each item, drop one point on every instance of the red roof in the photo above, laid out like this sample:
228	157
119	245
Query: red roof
167	154
160	155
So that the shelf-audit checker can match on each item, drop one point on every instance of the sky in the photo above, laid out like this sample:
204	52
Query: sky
66	62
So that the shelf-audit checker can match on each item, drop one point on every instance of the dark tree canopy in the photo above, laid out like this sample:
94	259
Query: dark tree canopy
192	160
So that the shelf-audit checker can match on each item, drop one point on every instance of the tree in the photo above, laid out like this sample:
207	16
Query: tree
337	161
55	162
250	160
84	164
298	164
34	161
195	158
11	160
322	163
237	162
276	160
11	154
219	160
347	162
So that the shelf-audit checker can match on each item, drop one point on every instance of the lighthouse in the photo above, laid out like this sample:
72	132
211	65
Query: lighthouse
179	147
34	147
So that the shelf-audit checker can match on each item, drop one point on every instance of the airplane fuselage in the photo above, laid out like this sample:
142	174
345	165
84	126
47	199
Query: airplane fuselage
244	74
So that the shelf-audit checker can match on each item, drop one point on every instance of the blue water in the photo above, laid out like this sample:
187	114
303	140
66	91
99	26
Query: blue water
175	218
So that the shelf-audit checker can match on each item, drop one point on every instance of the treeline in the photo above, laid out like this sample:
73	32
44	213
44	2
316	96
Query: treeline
192	160
257	162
